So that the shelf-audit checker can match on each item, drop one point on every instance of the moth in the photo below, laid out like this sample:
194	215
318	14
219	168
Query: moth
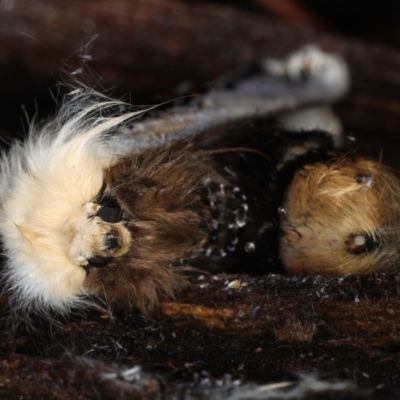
105	203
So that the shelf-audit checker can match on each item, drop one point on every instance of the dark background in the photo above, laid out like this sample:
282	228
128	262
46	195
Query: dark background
24	86
148	52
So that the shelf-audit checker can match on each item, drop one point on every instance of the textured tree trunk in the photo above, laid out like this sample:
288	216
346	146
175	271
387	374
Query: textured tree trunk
296	309
264	330
152	45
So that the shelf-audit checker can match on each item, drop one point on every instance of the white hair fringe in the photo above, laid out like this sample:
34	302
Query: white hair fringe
44	181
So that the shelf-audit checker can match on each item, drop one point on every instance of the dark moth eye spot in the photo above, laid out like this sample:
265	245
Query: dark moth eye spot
362	243
363	178
98	262
110	210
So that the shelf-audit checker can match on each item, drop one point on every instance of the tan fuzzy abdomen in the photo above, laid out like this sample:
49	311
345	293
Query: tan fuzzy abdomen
340	217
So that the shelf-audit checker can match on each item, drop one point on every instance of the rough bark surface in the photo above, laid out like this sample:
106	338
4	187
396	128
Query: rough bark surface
216	339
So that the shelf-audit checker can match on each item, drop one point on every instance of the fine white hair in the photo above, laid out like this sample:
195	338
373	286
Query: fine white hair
44	183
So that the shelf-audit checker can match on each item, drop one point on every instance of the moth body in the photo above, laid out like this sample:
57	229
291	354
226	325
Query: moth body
93	207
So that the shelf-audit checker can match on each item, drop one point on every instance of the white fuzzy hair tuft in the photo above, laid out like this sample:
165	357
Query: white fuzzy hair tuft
45	183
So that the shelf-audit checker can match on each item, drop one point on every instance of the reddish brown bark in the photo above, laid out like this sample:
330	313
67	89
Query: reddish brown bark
264	330
141	45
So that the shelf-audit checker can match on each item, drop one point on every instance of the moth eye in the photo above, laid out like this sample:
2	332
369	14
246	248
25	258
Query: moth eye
365	179
361	178
362	243
98	262
110	210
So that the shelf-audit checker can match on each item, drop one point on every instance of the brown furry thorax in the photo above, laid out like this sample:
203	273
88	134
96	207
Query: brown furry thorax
341	217
157	191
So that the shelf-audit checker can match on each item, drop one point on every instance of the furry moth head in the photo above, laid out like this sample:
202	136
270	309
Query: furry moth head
49	219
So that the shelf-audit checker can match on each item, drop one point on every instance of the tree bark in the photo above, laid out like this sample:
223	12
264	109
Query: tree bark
152	45
355	309
262	330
